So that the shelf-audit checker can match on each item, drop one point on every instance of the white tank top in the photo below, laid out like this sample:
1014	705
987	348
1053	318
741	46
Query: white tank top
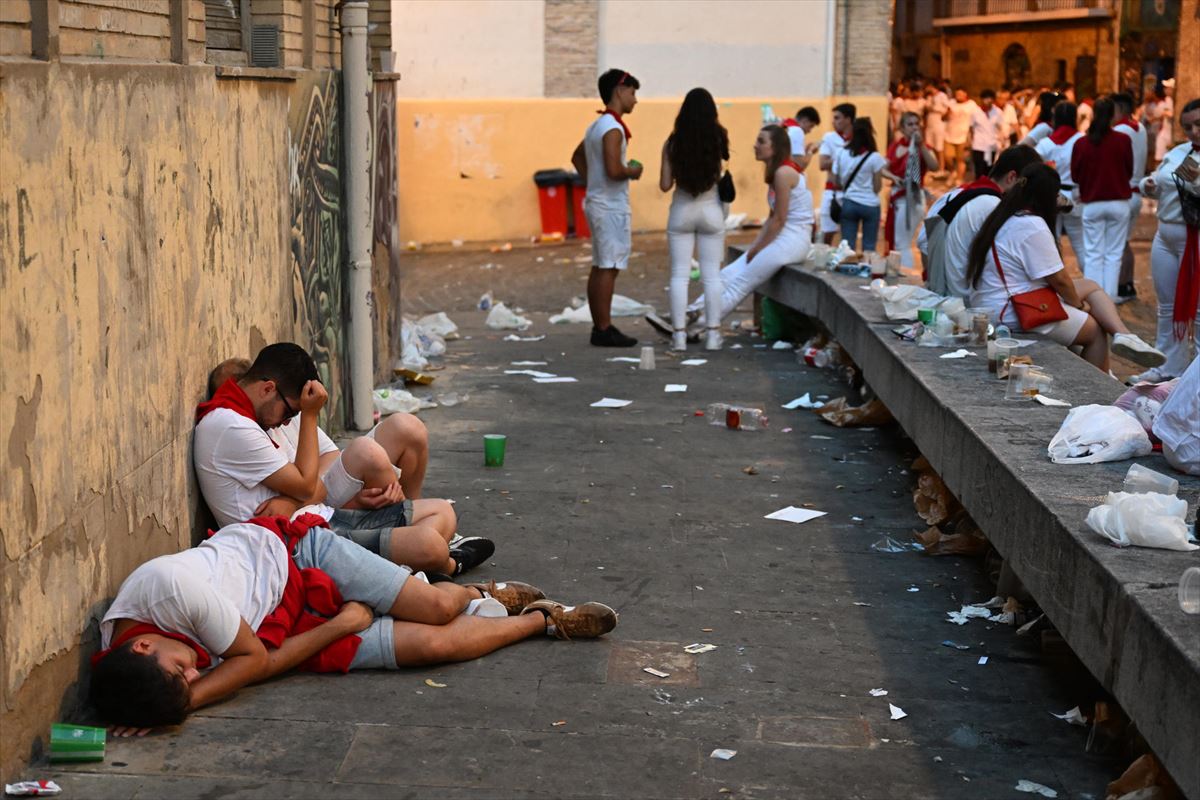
800	208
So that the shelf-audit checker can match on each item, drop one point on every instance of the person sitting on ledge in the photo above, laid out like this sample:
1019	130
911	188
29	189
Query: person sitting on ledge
191	628
245	472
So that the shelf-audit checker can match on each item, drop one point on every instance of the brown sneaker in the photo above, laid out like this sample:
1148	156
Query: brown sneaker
513	595
585	621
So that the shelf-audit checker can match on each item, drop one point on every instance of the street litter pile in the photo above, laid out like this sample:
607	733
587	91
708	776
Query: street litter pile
622	306
822	352
951	530
422	343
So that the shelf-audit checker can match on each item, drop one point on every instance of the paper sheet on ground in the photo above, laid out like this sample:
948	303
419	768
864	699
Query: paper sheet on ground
693	362
793	514
897	711
528	363
804	401
782	345
610	402
512	337
533	373
675	387
1073	716
1050	401
622	306
556	379
878	692
625	359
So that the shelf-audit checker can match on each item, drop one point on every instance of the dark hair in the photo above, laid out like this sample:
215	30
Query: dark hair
698	144
781	150
1046	103
1014	159
229	368
1124	100
846	110
809	113
987	94
1190	106
1102	118
610	80
134	690
1035	193
1065	113
288	364
862	137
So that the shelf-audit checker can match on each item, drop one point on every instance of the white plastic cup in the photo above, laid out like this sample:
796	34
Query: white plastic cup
647	360
1143	479
1189	591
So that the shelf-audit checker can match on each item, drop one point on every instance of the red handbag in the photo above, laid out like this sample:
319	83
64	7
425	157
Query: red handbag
1033	309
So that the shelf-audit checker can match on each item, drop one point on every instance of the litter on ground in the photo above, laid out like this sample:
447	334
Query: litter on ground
512	337
672	388
897	711
793	514
693	362
610	402
803	401
1074	717
722	754
658	673
1035	788
878	692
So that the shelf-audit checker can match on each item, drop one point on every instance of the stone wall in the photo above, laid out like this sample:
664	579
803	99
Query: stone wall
862	45
1187	62
975	58
571	39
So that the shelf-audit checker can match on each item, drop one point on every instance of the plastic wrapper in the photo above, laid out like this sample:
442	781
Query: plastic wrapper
502	318
1091	434
1144	520
32	789
439	325
840	413
1176	423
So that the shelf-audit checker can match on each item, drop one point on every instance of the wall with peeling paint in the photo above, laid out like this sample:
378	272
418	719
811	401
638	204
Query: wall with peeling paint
148	232
466	166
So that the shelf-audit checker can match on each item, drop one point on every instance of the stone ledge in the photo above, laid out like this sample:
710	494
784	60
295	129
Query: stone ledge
1115	608
237	72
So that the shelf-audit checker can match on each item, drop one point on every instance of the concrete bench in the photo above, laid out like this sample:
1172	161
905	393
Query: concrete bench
1116	608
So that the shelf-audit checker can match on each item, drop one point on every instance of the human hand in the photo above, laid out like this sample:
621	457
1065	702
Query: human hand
355	616
378	498
1150	186
277	506
123	731
1085	306
812	147
1187	171
313	397
634	169
916	137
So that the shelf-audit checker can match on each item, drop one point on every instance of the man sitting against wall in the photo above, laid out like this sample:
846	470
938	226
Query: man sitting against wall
259	451
188	629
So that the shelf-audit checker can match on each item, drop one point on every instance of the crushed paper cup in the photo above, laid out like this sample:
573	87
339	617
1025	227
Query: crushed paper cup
32	788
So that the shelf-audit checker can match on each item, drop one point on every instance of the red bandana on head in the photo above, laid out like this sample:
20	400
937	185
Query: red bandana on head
620	121
1061	134
203	660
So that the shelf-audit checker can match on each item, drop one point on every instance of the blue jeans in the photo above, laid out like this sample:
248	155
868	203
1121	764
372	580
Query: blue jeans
852	214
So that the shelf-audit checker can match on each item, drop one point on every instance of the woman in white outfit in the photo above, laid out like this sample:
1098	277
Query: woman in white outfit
1015	252
784	239
1176	181
908	159
691	162
1055	150
1102	165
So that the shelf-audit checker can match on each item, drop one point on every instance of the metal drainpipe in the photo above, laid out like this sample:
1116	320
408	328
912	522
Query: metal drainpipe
356	85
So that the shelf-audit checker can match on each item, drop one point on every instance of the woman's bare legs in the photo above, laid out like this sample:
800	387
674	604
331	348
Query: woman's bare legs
1103	307
1094	342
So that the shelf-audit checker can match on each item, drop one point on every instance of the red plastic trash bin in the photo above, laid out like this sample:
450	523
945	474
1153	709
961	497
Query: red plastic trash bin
578	192
553	199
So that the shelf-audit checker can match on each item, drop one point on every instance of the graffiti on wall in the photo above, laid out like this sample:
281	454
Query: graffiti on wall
385	236
317	240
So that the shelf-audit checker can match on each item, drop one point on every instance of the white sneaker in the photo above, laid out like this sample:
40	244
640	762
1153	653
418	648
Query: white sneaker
679	341
1131	347
1152	375
713	339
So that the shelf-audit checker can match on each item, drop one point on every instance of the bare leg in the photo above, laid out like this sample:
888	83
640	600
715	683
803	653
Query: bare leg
406	441
462	639
424	543
601	285
431	603
1103	308
1094	343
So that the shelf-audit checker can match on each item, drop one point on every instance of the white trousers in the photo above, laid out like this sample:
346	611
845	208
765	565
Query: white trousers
695	224
1166	253
1105	228
1072	225
741	278
902	233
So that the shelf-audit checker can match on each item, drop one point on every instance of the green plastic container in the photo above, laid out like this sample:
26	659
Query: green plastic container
76	743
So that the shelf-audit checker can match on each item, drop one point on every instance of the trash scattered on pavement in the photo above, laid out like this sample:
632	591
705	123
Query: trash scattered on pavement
449	400
390	400
622	306
913	589
512	337
750	470
533	373
556	379
793	514
693	362
958	354
502	318
699	648
843	415
878	692
739	418
625	359
527	363
897	711
955	645
889	545
1050	401
32	788
819	436
610	402
1035	788
782	345
672	388
412	376
865	605
439	324
722	754
982	660
1144	519
430	682
1074	717
969	542
803	401
485	301
1145	779
560	723
658	673
1093	433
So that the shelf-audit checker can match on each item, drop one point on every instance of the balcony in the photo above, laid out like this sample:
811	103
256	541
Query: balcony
954	13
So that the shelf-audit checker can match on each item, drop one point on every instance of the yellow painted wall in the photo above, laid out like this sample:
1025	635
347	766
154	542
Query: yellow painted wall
145	225
466	166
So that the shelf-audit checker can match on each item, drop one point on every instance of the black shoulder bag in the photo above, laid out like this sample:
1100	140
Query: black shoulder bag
835	207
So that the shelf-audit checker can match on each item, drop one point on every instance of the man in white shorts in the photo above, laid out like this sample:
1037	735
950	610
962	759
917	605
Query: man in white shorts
832	144
243	472
1127	125
600	161
191	628
958	129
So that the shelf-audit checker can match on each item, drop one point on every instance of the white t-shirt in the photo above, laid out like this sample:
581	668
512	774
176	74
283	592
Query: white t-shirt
287	436
934	210
832	143
204	593
1138	138
939	104
958	121
233	456
959	236
1060	156
1039	132
1010	124
603	193
862	189
796	136
1028	253
985	129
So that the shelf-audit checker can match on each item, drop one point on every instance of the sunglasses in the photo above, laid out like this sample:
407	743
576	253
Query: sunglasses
290	412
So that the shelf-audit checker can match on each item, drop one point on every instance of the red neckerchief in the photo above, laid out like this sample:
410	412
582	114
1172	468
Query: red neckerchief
1061	134
791	123
983	183
1187	289
793	165
203	659
233	397
1130	121
620	121
845	136
897	163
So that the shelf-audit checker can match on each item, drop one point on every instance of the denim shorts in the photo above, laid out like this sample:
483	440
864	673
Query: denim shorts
361	576
372	529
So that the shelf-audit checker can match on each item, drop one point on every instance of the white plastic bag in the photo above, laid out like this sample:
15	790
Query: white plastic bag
1144	520
501	318
1093	433
1178	422
438	325
622	306
903	302
394	401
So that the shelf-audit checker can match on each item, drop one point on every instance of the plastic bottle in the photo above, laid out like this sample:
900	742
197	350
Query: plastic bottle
716	413
736	417
1002	332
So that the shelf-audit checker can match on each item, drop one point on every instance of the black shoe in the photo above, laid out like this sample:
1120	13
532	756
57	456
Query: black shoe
470	553
438	577
611	337
1125	293
659	324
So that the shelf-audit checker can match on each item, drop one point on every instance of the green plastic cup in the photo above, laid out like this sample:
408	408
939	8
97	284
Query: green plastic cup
927	315
76	743
493	449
